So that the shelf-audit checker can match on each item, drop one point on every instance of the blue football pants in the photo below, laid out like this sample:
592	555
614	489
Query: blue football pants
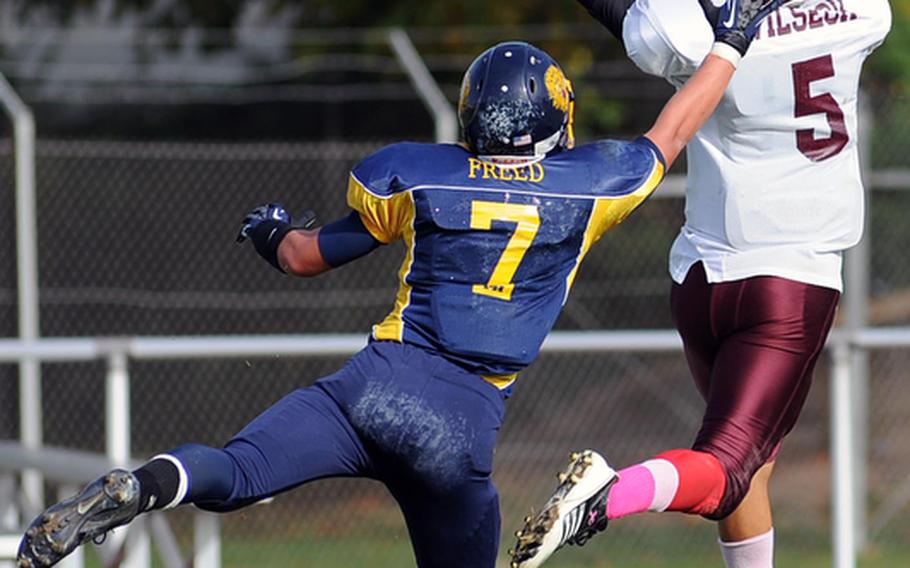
396	413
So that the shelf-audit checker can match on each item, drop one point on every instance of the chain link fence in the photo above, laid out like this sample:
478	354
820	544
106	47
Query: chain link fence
8	374
889	423
137	238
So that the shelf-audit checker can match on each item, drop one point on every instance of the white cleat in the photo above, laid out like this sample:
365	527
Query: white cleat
576	511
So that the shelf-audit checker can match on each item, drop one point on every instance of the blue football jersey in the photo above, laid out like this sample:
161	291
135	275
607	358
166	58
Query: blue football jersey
492	249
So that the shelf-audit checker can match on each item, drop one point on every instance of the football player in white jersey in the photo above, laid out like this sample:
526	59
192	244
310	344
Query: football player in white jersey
773	199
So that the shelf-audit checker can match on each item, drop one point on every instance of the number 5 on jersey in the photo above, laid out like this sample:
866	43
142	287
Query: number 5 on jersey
527	220
804	74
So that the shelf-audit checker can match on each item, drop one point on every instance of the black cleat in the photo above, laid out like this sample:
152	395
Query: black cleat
109	501
576	511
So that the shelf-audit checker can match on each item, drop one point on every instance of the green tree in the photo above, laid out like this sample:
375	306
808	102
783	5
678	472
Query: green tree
891	63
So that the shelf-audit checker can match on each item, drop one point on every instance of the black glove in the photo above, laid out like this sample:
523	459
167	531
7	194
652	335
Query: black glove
267	225
737	21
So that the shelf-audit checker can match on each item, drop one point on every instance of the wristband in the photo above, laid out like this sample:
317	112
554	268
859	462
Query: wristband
727	52
267	236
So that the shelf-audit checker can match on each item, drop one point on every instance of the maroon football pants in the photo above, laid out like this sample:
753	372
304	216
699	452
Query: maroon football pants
751	346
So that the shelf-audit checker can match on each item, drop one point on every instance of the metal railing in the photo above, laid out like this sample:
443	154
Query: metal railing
27	275
119	351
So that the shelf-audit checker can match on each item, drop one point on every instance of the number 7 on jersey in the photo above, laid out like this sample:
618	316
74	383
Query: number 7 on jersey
527	220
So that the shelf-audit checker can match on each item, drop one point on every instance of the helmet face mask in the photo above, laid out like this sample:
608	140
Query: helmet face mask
516	102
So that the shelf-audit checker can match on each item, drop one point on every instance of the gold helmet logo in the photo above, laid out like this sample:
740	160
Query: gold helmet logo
465	93
558	88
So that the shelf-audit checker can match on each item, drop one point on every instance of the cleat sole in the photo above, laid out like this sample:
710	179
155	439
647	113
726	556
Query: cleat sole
106	503
530	536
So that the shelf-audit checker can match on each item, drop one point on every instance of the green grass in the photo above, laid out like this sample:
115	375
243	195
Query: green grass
370	533
342	553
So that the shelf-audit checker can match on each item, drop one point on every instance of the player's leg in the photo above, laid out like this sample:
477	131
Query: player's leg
432	428
773	331
453	528
686	479
680	479
747	535
304	436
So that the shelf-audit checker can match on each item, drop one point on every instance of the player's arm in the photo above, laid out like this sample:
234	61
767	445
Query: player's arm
610	13
691	107
294	247
298	253
312	252
737	24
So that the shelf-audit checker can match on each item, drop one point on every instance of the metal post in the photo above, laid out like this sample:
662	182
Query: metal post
118	449
76	559
444	116
138	545
117	410
9	520
856	317
9	517
165	541
207	540
30	419
842	482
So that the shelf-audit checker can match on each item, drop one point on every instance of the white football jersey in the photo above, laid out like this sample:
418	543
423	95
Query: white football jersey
774	182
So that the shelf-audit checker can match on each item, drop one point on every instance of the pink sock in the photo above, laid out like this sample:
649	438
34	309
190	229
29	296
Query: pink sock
649	486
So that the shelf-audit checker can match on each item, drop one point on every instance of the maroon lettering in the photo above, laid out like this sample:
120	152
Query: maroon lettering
782	29
815	19
796	19
804	74
845	16
829	14
800	20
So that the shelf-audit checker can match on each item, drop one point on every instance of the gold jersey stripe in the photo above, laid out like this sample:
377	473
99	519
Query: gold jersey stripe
608	213
385	219
592	234
392	327
619	209
500	381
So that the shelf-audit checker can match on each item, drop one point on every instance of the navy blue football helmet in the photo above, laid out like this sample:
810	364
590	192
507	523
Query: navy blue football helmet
516	101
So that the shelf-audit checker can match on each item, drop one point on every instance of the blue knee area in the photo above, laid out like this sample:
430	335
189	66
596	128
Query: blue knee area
453	530
211	473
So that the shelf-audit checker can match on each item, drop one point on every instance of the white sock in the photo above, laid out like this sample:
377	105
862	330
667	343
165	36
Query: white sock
755	552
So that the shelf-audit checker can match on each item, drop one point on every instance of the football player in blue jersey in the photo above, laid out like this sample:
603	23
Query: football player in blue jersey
494	230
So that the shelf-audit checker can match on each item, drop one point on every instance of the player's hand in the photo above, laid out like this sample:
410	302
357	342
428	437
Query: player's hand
276	213
269	211
267	225
739	20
